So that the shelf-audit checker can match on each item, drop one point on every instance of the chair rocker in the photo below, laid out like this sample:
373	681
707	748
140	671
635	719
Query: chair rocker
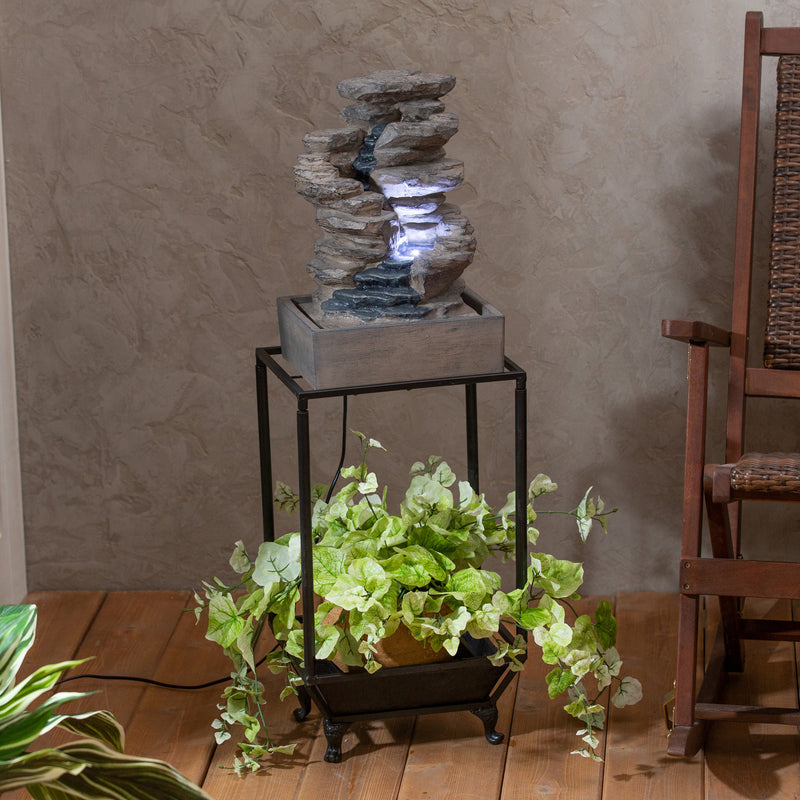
744	475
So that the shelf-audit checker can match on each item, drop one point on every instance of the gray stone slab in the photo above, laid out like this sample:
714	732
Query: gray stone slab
333	140
396	85
419	180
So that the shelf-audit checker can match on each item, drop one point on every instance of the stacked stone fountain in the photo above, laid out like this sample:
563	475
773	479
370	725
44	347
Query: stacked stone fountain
392	249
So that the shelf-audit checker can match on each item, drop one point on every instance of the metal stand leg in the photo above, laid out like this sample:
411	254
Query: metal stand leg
473	471
264	448
304	699
521	480
334	733
488	716
306	545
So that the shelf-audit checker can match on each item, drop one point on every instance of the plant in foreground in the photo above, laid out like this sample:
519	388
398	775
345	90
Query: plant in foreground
89	768
421	569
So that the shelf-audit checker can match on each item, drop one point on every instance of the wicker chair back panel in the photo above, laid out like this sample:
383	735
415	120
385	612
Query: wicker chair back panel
782	340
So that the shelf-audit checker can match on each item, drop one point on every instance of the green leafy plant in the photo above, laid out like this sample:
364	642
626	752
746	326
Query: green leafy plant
93	767
422	570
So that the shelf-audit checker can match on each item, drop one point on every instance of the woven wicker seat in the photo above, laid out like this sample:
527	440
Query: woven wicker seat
740	476
774	473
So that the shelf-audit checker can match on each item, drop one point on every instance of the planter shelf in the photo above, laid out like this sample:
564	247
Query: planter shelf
467	682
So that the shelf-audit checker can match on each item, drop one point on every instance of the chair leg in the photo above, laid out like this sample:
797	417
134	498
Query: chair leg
686	740
687	733
719	530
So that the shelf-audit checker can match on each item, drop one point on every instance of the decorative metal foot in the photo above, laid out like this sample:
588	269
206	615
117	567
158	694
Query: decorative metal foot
488	716
305	704
334	732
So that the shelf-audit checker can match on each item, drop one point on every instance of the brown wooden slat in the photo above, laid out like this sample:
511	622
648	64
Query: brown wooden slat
743	760
783	715
710	669
713	679
62	620
749	578
124	632
637	767
796	617
175	725
684	330
128	637
743	242
373	759
539	763
755	760
282	777
776	630
760	382
778	41
691	528
450	756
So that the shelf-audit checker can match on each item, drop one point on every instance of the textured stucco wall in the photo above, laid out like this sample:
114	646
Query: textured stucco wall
153	223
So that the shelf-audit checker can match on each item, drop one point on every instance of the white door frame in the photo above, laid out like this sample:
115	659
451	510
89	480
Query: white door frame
13	579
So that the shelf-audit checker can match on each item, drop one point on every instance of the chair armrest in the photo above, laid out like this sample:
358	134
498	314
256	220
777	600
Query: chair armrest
684	330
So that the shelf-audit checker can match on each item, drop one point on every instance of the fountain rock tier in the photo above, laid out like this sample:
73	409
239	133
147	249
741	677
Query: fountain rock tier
392	248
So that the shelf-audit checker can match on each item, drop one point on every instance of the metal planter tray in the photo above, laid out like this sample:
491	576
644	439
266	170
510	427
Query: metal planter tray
351	696
470	682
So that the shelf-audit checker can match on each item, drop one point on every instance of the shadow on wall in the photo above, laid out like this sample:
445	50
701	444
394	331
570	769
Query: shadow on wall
702	216
646	429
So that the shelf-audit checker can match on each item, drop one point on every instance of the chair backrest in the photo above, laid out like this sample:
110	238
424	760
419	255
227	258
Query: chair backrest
782	334
780	374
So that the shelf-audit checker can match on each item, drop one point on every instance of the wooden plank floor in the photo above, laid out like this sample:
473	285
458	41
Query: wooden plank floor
435	757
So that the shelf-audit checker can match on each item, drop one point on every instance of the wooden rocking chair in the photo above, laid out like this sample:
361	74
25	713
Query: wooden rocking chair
752	475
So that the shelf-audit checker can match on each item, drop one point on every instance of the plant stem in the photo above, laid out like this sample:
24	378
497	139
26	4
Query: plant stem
371	508
569	606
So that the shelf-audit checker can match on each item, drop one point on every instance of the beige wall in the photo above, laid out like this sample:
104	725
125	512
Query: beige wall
153	223
13	576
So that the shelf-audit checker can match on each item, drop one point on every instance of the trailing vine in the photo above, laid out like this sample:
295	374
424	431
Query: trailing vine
422	569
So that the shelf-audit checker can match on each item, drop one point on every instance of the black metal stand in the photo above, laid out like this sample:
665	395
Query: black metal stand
471	683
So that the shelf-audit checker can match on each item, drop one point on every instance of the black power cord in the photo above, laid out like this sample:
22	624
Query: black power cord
153	682
344	448
218	681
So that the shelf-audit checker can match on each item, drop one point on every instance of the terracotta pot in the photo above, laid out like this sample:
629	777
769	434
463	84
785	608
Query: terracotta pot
400	649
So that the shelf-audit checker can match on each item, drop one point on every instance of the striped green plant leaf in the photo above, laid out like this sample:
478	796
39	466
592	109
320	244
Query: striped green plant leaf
40	767
26	728
17	631
86	769
18	730
109	775
18	698
100	725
